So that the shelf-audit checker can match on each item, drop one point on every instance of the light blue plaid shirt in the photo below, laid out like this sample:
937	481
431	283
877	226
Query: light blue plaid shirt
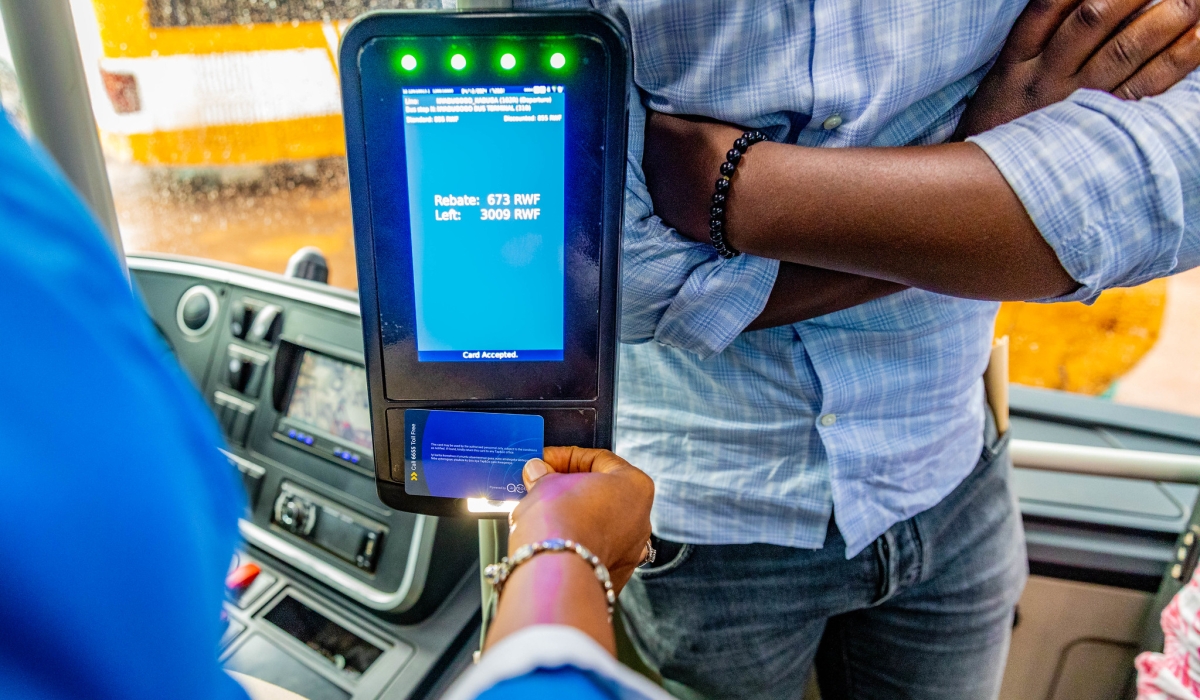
874	413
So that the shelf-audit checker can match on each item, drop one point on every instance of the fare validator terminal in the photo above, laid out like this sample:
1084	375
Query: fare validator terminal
487	169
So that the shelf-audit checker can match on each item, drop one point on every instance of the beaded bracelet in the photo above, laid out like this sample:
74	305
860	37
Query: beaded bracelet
716	222
497	574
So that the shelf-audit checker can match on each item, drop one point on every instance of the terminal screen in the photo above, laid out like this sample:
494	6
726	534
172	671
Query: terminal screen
486	160
486	189
330	396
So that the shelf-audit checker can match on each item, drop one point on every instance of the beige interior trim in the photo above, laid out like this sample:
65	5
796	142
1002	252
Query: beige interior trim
1106	461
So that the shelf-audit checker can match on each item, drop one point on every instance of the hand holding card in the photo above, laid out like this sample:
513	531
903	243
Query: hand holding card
591	496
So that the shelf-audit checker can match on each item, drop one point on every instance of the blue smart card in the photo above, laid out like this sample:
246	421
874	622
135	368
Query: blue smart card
460	454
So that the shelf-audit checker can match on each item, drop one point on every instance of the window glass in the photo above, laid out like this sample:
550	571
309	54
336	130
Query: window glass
221	124
1134	346
10	94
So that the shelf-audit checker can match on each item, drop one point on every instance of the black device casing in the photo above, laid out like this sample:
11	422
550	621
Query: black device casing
587	423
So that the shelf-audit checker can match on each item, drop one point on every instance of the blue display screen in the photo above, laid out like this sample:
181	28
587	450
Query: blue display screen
486	190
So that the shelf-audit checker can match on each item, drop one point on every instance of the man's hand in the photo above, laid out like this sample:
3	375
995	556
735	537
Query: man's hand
1059	46
591	496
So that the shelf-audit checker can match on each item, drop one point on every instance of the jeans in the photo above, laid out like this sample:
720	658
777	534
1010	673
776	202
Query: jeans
925	612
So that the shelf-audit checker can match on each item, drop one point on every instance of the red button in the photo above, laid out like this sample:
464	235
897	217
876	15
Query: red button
242	576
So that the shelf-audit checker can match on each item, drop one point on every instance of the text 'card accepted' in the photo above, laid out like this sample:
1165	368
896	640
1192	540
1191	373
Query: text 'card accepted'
459	454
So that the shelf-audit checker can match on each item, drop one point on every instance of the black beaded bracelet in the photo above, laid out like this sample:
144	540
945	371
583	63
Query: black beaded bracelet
716	222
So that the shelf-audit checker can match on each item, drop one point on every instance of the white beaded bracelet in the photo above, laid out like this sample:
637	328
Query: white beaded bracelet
497	574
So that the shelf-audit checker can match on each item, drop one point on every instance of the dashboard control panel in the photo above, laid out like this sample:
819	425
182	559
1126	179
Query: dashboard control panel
281	363
336	595
329	525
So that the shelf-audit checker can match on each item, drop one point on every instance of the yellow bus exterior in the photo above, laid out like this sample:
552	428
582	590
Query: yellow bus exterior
217	94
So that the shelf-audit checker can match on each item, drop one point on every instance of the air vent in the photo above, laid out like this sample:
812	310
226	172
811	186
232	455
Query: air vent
197	311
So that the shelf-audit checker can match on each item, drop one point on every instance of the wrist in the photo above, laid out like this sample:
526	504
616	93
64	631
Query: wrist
532	530
556	588
498	574
723	192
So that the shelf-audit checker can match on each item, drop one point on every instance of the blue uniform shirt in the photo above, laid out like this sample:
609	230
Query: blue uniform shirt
118	516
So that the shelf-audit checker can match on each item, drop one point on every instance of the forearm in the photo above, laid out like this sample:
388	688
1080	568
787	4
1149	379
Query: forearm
802	292
554	589
941	218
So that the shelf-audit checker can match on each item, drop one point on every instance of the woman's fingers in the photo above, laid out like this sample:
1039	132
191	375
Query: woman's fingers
576	460
1125	54
1085	30
534	469
1165	69
571	460
588	495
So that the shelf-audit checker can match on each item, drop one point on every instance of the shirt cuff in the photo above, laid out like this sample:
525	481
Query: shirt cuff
551	646
1099	185
716	303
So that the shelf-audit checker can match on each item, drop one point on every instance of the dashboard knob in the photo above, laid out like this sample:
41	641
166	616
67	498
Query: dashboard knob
197	310
265	327
237	319
295	514
239	374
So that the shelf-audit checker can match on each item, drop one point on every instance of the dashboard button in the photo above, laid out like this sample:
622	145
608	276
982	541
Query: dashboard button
242	576
254	591
237	319
232	629
238	373
197	310
241	427
265	327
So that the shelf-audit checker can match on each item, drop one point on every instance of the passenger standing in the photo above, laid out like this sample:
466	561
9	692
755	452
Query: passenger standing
829	485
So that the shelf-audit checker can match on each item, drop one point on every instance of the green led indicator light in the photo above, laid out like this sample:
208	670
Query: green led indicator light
408	62
458	61
508	61
558	61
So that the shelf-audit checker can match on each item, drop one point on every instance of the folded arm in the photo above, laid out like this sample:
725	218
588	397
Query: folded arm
802	292
674	290
989	220
941	218
1090	193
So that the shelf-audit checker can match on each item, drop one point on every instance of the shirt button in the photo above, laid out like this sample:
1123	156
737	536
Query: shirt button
831	123
828	419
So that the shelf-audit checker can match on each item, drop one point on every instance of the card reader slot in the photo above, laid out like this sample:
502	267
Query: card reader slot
564	426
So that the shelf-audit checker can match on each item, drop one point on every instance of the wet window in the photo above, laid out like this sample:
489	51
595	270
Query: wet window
1133	346
10	94
221	124
182	13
